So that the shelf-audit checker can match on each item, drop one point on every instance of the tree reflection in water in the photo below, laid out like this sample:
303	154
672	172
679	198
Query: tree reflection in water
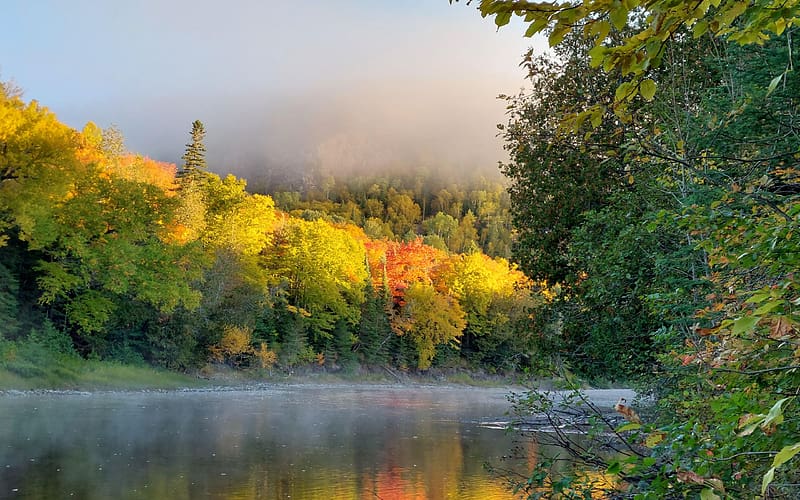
287	442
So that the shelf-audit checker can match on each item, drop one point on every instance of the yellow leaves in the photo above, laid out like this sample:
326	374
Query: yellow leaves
235	341
298	310
431	318
226	216
324	266
266	359
88	150
654	438
477	279
235	347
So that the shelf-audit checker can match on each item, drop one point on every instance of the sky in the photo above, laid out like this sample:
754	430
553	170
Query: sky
337	85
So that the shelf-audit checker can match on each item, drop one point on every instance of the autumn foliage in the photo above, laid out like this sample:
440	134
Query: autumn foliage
135	256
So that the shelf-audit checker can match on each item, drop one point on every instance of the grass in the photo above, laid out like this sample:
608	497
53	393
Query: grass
28	366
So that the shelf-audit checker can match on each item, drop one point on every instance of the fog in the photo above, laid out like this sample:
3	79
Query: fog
338	130
278	442
347	86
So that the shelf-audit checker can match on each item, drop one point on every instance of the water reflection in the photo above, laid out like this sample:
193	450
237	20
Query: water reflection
289	442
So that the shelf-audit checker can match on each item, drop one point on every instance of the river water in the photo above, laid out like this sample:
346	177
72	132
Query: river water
298	442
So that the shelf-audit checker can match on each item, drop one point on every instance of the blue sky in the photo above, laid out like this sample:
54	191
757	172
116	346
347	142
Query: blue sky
337	84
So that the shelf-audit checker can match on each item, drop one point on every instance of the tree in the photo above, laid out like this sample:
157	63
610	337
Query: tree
234	219
557	176
402	213
323	270
9	304
430	318
374	330
653	24
494	296
720	145
194	159
98	241
441	225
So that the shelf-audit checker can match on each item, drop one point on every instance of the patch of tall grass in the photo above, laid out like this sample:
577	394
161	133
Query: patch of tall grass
29	364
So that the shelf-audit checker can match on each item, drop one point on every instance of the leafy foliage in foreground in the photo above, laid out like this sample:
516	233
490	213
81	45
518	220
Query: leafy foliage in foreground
684	273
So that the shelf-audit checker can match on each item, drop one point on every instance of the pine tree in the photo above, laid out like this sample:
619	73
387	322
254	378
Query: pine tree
374	330
194	159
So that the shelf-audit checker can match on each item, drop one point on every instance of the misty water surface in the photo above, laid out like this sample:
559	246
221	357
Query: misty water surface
295	442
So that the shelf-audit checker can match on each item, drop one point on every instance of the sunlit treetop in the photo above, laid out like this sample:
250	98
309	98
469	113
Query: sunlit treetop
648	25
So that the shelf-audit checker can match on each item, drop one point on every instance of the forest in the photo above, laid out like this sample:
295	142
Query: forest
655	184
111	255
647	232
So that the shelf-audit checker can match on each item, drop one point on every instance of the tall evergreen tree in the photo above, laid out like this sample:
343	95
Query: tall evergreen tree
194	159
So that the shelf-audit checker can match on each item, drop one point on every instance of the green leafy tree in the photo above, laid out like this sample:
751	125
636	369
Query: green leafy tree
100	240
717	142
556	176
9	304
374	331
402	213
430	319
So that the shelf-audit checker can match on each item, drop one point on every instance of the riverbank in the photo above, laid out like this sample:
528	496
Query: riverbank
28	368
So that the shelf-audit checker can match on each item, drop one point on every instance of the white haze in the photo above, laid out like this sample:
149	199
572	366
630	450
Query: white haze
354	85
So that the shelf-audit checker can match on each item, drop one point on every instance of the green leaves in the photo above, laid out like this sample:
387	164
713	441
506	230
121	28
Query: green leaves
783	456
773	84
630	426
745	324
618	14
647	89
637	52
786	454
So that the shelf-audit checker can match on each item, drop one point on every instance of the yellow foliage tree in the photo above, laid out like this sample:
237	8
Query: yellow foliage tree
234	345
431	318
324	269
234	219
478	280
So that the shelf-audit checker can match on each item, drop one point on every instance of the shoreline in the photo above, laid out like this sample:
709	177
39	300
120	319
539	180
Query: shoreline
603	398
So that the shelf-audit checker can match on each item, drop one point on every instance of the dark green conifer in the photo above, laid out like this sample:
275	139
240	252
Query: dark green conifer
194	159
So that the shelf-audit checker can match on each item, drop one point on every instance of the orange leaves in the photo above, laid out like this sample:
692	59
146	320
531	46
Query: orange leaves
627	412
691	477
402	264
88	150
142	169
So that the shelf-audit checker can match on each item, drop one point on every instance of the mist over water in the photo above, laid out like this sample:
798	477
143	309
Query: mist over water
295	442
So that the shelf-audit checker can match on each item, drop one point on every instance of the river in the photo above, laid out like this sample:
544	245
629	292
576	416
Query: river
279	442
299	442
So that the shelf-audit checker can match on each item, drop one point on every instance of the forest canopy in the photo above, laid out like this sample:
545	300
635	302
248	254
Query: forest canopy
121	257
